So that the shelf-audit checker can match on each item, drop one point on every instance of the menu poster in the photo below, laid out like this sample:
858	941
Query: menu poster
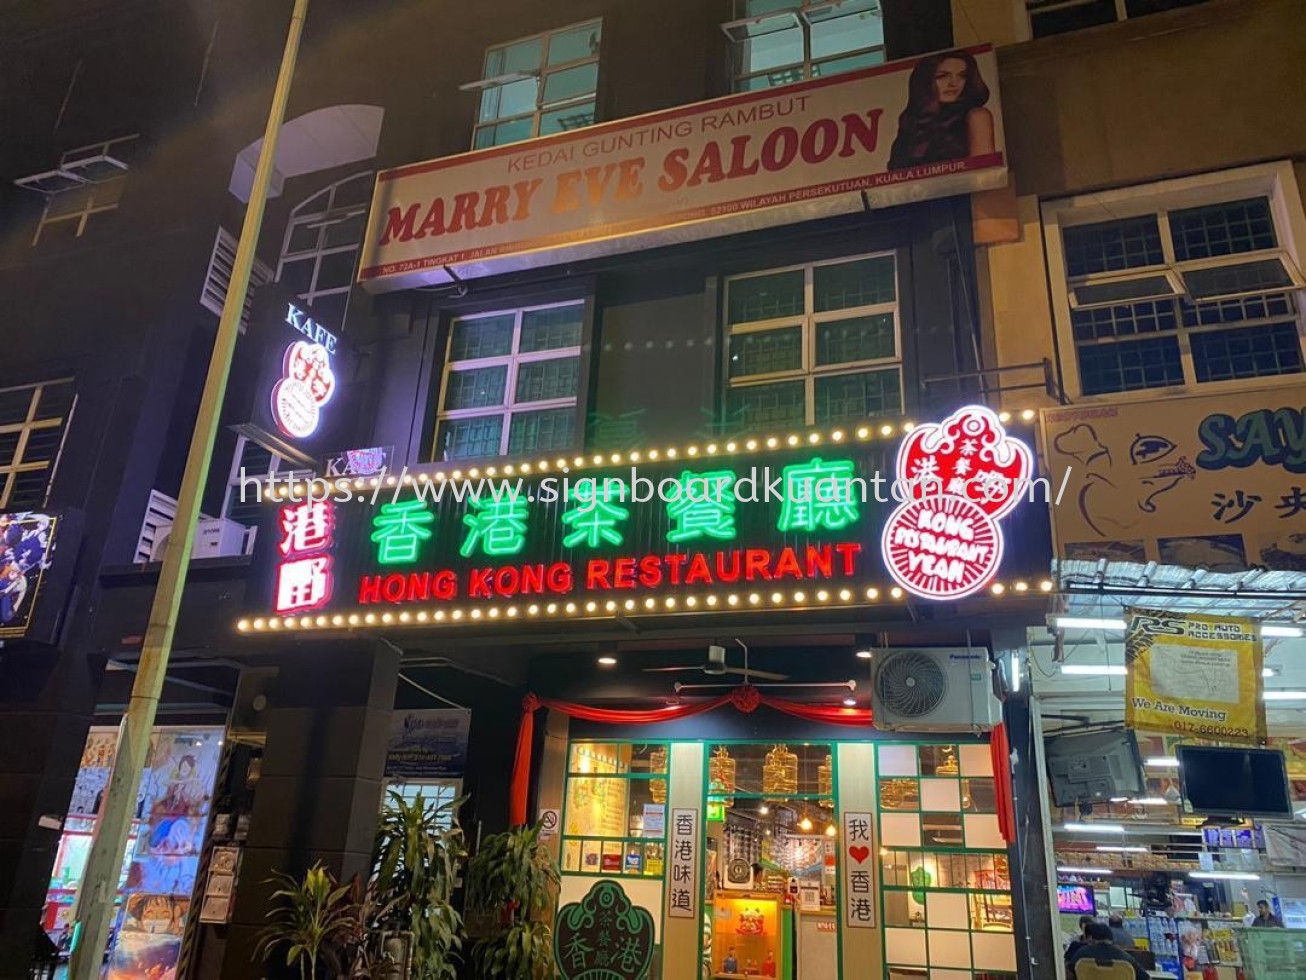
858	886
682	894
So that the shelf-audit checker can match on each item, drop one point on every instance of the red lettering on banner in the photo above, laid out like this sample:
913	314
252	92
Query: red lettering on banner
738	147
673	176
787	565
848	551
464	211
624	574
369	589
757	563
419	586
820	559
433	223
698	570
650	571
495	209
394	588
507	580
596	574
709	166
478	583
445	585
722	573
532	579
557	577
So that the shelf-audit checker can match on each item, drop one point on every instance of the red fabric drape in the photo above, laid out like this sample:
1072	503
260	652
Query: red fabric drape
745	698
1000	751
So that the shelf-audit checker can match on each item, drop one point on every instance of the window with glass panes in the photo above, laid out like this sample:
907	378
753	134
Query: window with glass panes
783	41
510	383
614	813
321	246
32	423
1182	296
253	462
945	883
437	794
539	85
103	168
815	344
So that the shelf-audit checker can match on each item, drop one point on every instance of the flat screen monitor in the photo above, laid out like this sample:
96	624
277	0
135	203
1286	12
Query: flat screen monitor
1225	782
1078	899
1094	767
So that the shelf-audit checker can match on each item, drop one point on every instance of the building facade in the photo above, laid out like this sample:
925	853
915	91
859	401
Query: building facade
575	241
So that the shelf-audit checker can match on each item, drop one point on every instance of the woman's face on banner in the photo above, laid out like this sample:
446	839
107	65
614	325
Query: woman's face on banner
949	80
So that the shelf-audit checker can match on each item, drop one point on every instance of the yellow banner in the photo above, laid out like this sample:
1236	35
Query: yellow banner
1193	674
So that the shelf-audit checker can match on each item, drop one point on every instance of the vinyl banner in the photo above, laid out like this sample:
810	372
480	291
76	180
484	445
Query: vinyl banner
1213	481
1194	674
891	134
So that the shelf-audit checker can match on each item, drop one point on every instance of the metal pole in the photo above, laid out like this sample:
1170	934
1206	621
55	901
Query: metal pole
99	886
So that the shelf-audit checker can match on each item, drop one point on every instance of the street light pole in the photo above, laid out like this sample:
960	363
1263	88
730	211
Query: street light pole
99	886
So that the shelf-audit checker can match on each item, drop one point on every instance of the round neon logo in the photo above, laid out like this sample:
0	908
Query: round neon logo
942	547
961	475
307	384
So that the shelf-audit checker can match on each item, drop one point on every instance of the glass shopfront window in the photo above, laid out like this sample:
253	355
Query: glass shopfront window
615	816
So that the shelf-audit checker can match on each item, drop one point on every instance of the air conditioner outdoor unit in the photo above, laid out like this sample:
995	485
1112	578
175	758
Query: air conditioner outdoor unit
215	537
948	690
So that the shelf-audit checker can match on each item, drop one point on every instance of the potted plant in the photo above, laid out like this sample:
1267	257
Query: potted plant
311	919
418	850
512	885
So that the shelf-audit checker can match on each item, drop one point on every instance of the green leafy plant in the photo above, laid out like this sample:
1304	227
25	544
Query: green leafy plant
310	919
512	885
418	850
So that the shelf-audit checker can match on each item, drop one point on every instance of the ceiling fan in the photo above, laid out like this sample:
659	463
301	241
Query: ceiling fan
716	666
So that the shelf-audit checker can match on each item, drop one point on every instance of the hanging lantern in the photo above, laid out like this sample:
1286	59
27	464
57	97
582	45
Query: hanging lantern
780	772
825	782
721	777
657	762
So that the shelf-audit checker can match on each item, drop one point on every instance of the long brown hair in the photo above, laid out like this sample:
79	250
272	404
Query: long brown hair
929	131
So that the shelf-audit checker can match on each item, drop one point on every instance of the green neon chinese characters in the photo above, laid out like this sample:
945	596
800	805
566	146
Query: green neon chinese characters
703	508
818	496
498	527
592	516
400	528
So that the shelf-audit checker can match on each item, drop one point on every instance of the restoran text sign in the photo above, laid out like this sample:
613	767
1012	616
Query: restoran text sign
747	161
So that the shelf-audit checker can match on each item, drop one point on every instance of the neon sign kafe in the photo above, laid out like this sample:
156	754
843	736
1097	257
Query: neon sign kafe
307	380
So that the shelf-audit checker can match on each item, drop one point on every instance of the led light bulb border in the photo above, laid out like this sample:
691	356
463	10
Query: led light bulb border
651	604
868	432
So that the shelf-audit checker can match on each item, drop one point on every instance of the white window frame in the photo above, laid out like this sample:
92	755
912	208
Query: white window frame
9	471
513	360
439	792
1033	8
308	214
1273	180
101	195
280	466
802	14
541	76
808	321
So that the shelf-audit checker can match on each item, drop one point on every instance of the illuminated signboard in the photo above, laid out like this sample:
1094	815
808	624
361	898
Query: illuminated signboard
964	473
793	521
307	381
